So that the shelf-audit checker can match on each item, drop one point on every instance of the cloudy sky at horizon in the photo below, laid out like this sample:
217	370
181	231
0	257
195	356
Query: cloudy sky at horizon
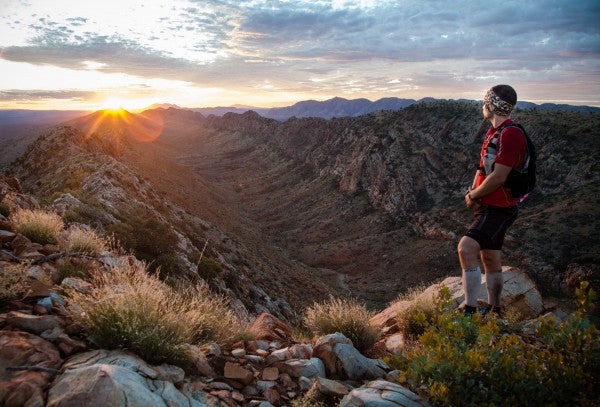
81	55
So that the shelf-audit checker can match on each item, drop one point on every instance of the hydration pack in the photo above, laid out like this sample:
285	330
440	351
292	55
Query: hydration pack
520	181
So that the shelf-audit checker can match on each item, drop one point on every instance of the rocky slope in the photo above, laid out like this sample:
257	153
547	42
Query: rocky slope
87	179
370	205
47	359
378	198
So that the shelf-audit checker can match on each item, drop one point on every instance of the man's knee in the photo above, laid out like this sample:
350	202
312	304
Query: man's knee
468	247
491	259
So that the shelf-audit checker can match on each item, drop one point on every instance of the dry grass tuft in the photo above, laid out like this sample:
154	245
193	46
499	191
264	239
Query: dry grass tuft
86	241
128	308
13	281
38	226
343	315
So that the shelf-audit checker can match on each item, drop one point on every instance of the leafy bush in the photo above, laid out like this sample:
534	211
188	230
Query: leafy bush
129	308
468	361
13	281
208	268
85	241
414	312
147	237
167	265
38	226
342	315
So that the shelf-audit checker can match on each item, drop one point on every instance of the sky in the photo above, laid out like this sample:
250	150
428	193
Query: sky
93	54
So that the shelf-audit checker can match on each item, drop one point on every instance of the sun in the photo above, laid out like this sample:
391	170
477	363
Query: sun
115	104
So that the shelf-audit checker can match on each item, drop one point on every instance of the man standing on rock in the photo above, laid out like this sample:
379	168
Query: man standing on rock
495	209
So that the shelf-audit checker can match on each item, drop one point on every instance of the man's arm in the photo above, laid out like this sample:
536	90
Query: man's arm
491	182
474	184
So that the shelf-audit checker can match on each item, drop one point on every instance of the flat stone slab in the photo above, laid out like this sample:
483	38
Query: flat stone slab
381	393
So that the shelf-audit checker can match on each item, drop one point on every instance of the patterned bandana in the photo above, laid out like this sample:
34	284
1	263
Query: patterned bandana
497	105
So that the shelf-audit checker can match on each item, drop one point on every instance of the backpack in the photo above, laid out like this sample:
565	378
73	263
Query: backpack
521	181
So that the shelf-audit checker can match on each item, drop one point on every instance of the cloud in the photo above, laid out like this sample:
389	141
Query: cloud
322	46
19	95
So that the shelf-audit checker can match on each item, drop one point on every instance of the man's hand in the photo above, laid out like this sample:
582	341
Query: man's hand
471	203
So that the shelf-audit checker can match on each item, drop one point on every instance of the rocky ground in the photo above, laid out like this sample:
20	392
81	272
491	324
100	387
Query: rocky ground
48	359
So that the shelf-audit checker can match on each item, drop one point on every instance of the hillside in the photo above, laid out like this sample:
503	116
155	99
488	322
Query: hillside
100	179
370	205
82	322
379	197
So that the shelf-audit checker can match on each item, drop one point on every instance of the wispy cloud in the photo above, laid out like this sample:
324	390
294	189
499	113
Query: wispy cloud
322	47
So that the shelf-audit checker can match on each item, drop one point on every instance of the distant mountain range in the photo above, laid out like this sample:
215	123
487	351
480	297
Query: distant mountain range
340	107
11	120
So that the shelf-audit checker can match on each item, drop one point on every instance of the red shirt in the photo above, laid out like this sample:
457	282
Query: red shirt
512	148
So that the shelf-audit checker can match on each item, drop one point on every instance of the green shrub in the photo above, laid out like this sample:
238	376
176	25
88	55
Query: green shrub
4	209
469	361
38	226
147	237
128	308
86	241
342	315
73	269
208	268
415	312
166	264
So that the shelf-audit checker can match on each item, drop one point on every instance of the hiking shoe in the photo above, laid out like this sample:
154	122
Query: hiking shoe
487	308
469	311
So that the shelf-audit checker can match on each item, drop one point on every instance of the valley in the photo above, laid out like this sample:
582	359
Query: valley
365	206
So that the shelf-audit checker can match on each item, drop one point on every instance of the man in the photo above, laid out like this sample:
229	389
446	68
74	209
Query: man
495	209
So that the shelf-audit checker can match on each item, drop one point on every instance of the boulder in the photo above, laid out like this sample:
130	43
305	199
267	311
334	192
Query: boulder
198	362
313	367
519	292
237	372
26	387
69	346
301	351
33	323
343	361
268	327
6	236
395	344
331	388
77	284
380	393
279	355
118	378
20	244
270	373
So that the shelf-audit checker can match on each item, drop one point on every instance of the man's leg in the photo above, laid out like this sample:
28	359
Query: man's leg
468	249
493	275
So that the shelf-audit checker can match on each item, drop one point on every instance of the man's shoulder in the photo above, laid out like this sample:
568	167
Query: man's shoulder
512	130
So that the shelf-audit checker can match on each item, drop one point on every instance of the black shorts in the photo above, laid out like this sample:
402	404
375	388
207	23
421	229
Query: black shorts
490	225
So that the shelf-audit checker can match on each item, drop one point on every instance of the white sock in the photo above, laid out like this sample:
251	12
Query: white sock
471	281
494	281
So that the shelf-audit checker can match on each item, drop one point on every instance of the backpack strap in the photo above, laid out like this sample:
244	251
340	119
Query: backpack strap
528	144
